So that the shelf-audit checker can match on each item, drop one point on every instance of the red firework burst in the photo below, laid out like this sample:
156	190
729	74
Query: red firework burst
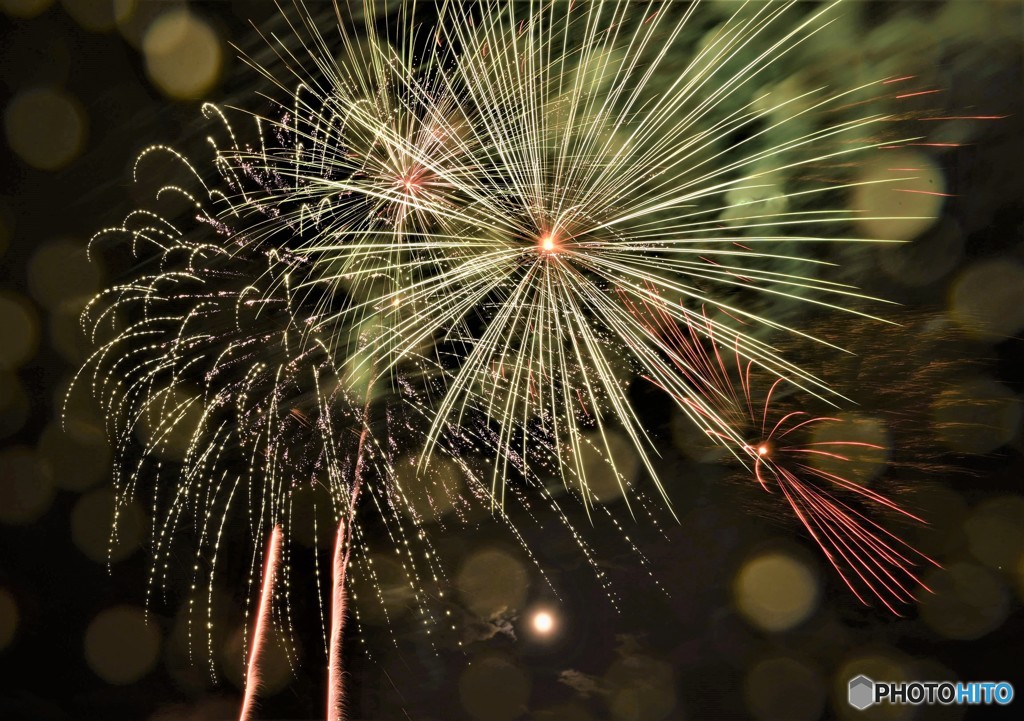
778	446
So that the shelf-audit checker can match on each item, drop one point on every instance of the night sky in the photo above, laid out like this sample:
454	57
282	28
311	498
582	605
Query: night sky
728	611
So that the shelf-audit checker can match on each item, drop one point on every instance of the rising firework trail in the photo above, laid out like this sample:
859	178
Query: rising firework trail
264	626
429	247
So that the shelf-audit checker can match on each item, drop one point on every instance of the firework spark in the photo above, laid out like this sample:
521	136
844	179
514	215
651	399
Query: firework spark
435	250
777	446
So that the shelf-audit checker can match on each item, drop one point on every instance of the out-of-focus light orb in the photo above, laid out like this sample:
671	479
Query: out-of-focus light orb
14	403
926	259
968	601
60	272
45	127
25	493
79	406
977	416
493	688
133	17
19	331
894	209
640	688
75	456
120	647
775	591
987	300
357	375
693	442
66	335
879	664
92	522
24	8
216	708
8	618
7	223
605	484
183	54
431	493
861	463
492	582
1020	577
755	197
276	670
563	712
945	509
784	689
94	15
389	594
995	532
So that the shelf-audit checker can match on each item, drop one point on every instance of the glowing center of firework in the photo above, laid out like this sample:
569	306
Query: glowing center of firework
543	622
411	181
762	450
548	244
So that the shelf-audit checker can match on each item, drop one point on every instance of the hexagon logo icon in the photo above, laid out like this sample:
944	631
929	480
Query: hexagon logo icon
862	692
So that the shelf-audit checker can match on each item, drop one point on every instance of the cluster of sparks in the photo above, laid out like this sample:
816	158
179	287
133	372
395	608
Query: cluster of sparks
454	255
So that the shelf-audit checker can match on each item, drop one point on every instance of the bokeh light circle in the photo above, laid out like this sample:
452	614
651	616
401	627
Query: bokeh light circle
784	689
492	688
46	127
492	582
995	532
25	492
775	592
9	618
876	663
860	463
640	688
92	522
976	416
390	595
429	493
183	54
14	403
94	15
599	453
19	331
74	454
987	299
899	195
967	602
60	272
24	8
120	646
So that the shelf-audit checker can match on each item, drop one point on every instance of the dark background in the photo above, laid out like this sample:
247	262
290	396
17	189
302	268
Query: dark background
670	640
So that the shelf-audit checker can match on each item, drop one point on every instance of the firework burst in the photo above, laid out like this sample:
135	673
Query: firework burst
436	250
799	455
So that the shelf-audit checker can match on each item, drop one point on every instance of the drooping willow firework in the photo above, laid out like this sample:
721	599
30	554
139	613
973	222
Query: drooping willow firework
432	252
